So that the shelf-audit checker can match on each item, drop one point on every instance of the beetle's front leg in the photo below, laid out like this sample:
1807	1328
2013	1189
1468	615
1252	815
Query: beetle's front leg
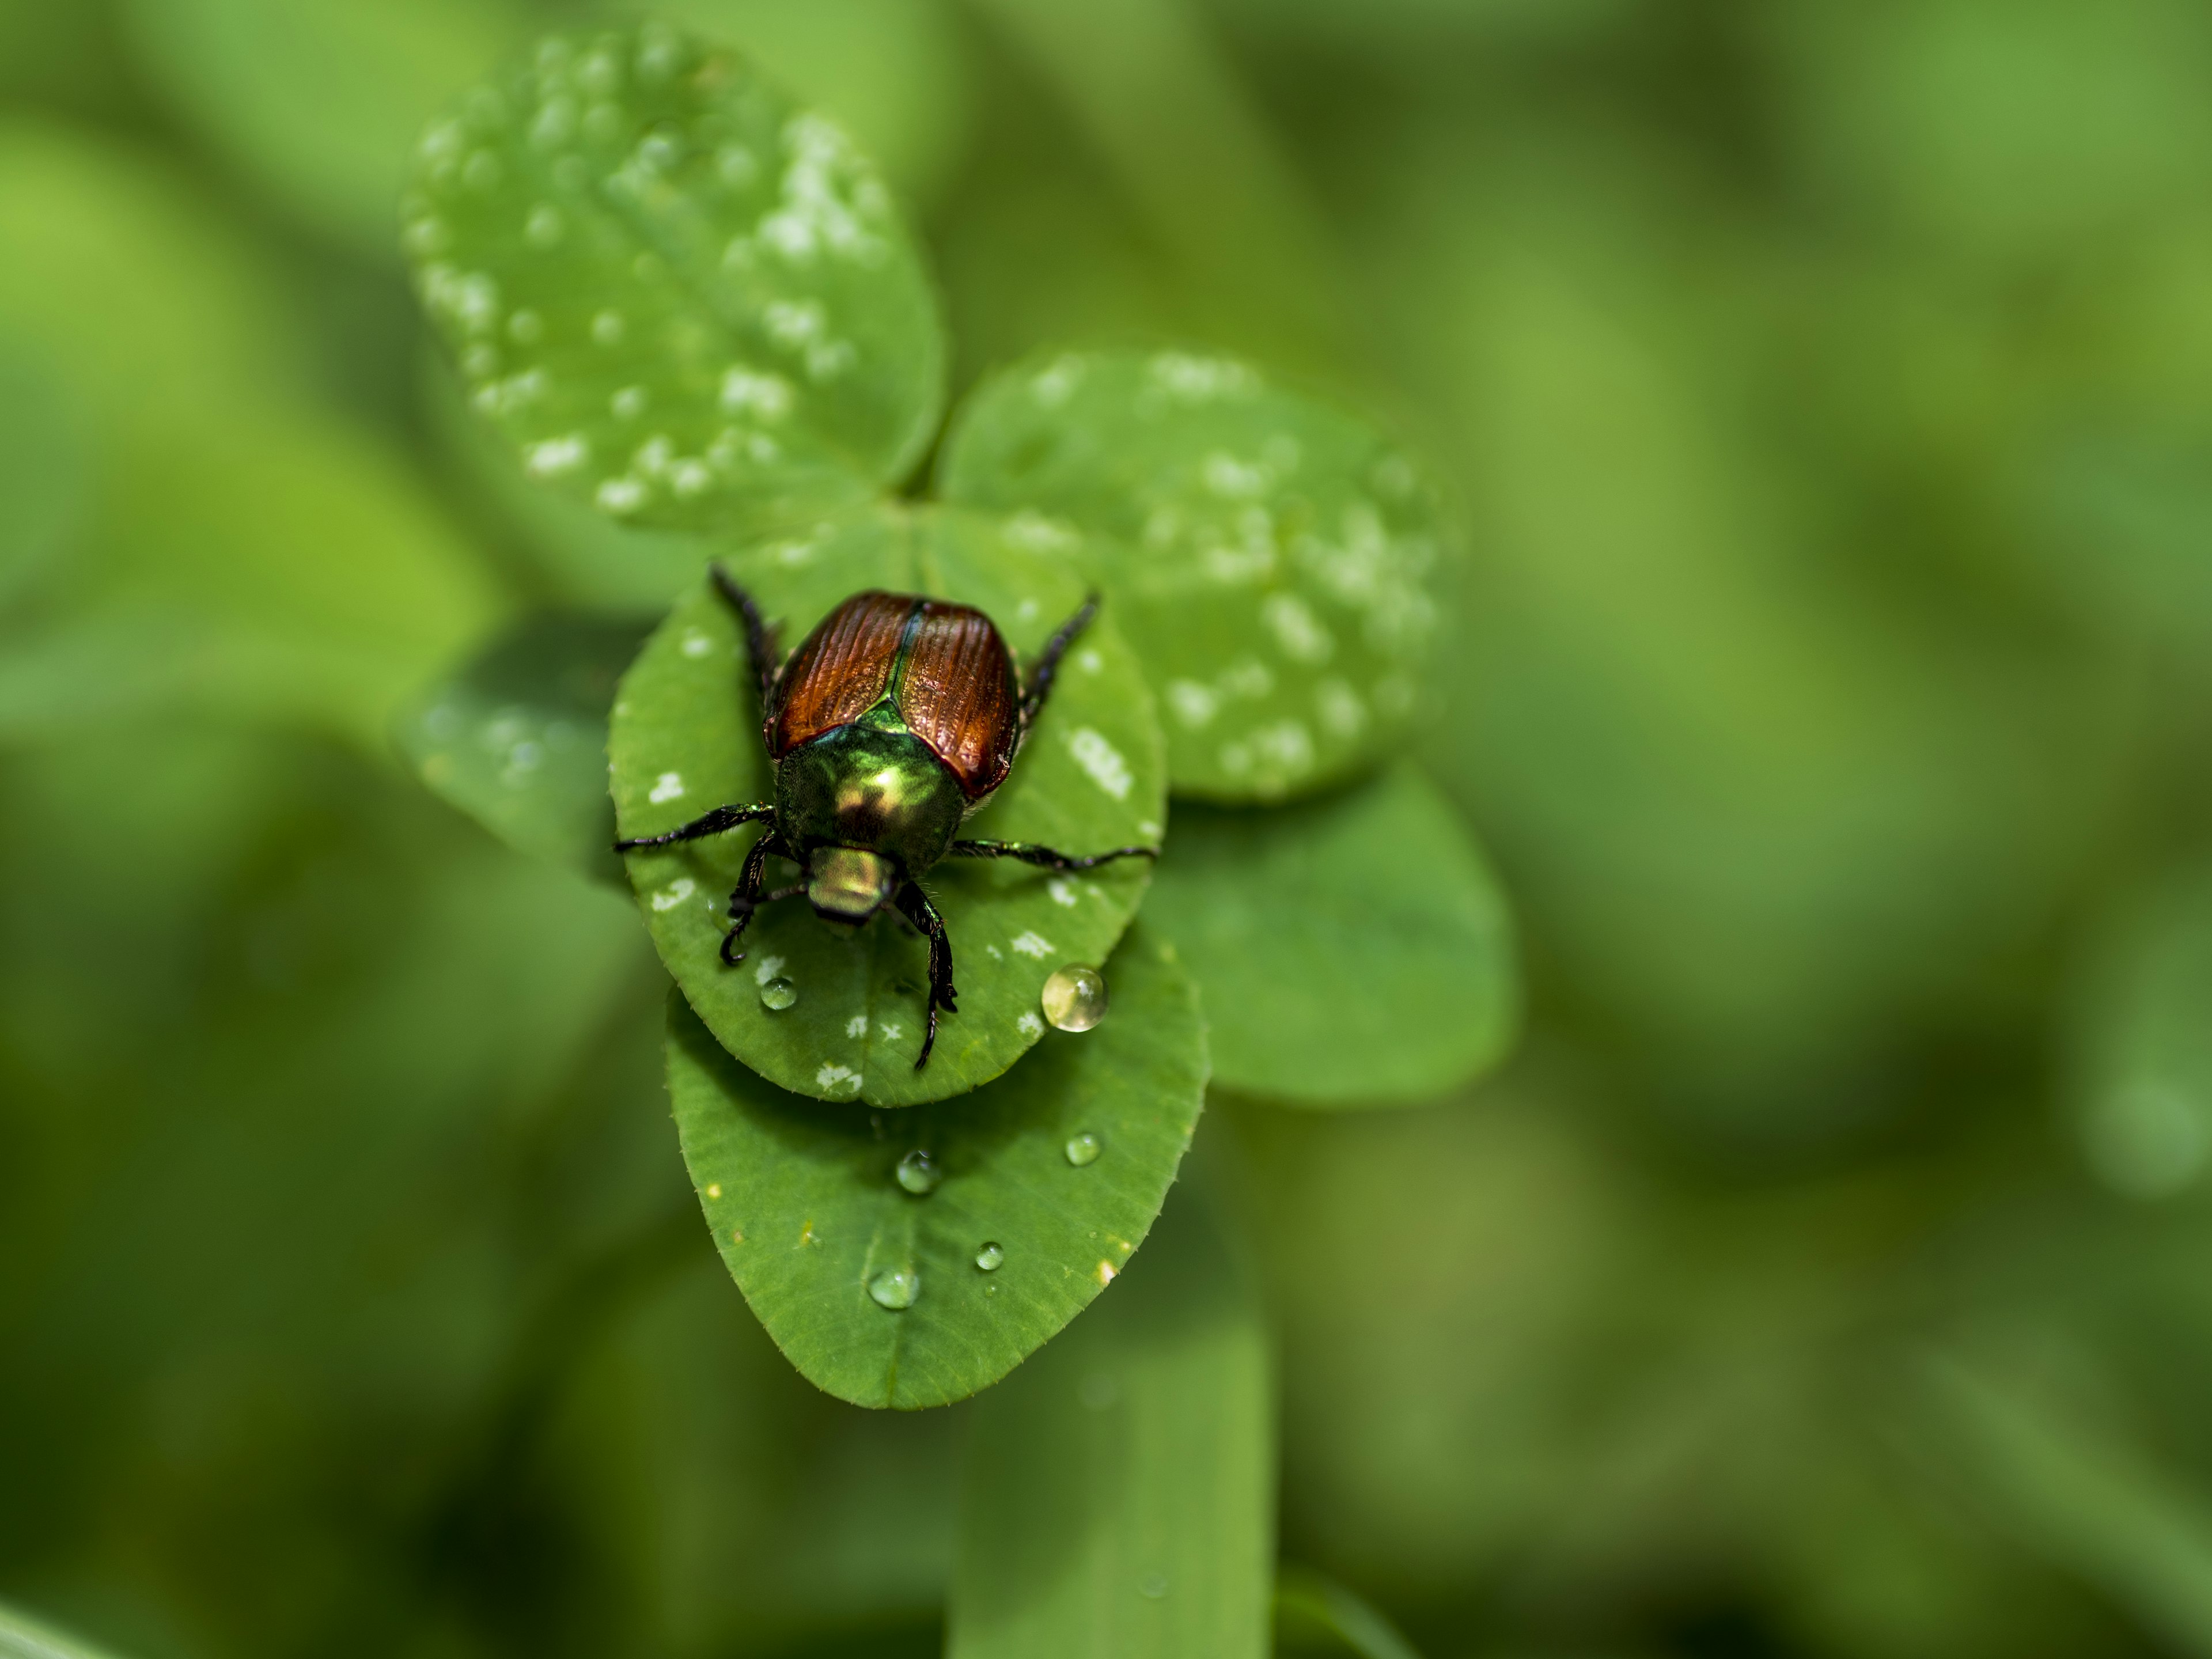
746	898
708	823
914	905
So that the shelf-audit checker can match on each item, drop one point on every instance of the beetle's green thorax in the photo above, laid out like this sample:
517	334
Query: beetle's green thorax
864	807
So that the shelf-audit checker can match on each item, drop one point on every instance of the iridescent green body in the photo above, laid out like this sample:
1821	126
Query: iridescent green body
873	789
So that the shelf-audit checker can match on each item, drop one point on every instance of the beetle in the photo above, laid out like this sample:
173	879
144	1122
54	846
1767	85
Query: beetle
895	719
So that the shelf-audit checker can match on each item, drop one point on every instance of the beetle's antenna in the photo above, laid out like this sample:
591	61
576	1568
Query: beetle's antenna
760	653
1048	662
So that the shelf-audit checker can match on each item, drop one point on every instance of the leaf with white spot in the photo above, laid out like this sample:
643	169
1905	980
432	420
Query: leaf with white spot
1091	777
808	1210
1352	950
517	738
1271	555
682	298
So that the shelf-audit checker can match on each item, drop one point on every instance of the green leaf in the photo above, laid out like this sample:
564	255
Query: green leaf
1352	950
317	103
683	299
44	465
22	1637
1312	1609
1119	1494
517	738
808	1213
1270	554
686	738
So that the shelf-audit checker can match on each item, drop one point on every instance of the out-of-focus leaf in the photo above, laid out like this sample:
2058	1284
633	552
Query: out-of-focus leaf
1312	1609
686	738
580	556
893	71
684	298
1269	554
317	102
1351	950
24	1638
2142	1040
44	464
130	281
517	738
1119	1492
2080	1495
879	1293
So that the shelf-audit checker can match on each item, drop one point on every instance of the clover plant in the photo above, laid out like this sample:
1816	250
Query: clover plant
692	307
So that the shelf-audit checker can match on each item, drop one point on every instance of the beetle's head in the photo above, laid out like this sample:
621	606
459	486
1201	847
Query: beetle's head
844	884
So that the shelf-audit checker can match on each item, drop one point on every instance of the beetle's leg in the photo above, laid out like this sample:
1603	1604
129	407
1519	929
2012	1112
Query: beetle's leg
1047	663
914	905
761	654
1046	857
747	897
710	824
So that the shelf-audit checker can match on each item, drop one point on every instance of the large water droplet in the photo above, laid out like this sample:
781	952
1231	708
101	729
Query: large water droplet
918	1173
895	1288
1083	1149
1075	998
778	994
990	1256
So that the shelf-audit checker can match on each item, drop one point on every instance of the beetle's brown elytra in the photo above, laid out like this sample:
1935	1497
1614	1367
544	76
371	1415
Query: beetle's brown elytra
897	716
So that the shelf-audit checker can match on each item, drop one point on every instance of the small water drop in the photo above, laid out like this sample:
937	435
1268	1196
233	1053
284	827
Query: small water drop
778	994
1152	1586
1075	998
1083	1149
919	1173
895	1288
990	1256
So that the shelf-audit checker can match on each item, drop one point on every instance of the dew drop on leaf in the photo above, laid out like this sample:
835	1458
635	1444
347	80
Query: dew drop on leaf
990	1256
1083	1149
1075	999
895	1288
919	1173
778	994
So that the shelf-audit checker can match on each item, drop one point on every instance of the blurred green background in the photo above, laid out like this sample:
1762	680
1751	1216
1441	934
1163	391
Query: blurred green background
1828	390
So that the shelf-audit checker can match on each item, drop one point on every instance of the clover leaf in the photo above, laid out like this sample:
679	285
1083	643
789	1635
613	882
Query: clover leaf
686	738
910	1259
682	298
1271	555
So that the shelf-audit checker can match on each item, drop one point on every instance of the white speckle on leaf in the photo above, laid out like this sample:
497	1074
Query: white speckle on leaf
690	478
1102	760
857	1026
1105	1273
1193	379
1235	480
739	167
1090	661
768	969
674	893
1194	704
622	495
1286	746
842	1078
1342	714
1246	678
696	644
556	456
1029	1026
1062	891
745	391
889	1029
628	403
1149	830
1055	385
994	953
1031	532
1296	629
608	327
1026	610
1032	944
527	328
545	227
668	787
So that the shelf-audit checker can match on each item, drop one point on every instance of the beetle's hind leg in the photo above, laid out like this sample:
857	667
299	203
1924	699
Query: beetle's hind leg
748	897
1048	662
708	823
914	905
761	654
1046	858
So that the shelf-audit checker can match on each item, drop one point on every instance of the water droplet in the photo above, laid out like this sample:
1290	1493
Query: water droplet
778	994
989	1257
1083	1149
919	1173
1075	998
895	1288
1152	1586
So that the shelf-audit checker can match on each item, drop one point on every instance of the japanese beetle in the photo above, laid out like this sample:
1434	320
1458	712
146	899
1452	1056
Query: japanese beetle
897	718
